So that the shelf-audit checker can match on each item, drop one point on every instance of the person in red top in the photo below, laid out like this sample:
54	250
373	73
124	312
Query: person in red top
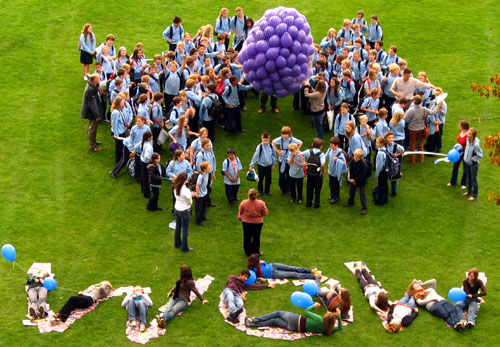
462	140
252	212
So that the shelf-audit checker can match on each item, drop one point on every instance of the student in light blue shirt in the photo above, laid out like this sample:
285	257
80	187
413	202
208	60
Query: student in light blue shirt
157	118
173	82
397	127
230	96
366	133
138	65
370	106
177	165
361	21
224	25
173	33
381	128
431	123
354	140
188	43
206	119
358	33
297	164
441	116
154	79
177	110
238	27
265	158
340	124
346	32
220	47
180	133
329	40
146	153
231	168
86	46
358	67
118	126
383	189
284	142
315	163
348	86
207	155
388	97
390	58
397	151
380	53
334	95
192	94
202	193
337	166
374	31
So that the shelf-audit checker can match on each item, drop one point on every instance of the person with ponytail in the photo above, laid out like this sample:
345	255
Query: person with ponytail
251	214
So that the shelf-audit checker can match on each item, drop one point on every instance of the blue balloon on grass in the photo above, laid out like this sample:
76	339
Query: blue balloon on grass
301	299
307	300
311	287
9	252
251	279
453	155
456	294
49	283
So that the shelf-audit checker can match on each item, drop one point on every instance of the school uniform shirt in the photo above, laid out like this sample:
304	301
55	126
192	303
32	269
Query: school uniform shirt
397	107
181	140
336	70
356	142
179	56
147	151
107	65
117	122
128	112
172	82
374	32
386	86
232	167
430	123
121	60
366	140
232	97
137	68
223	25
264	155
389	60
175	167
194	96
135	138
381	128
359	35
188	46
175	114
349	88
315	151
358	69
381	54
202	181
174	33
205	106
336	168
154	82
196	145
361	22
205	155
380	161
443	110
347	34
296	171
327	42
283	144
340	123
399	148
156	113
238	24
370	104
113	95
143	110
87	43
398	130
333	100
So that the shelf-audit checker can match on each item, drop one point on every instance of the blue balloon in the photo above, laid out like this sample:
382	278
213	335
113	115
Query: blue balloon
296	298
49	283
458	147
311	287
453	155
307	300
9	252
456	294
251	279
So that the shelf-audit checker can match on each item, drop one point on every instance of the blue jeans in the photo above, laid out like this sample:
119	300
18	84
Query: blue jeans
408	300
233	300
135	308
281	319
318	125
174	306
471	170
182	219
287	271
471	306
445	310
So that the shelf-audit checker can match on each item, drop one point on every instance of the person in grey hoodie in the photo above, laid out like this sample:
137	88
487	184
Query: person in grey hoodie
472	155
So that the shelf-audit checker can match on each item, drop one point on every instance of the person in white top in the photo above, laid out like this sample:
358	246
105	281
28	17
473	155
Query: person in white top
182	208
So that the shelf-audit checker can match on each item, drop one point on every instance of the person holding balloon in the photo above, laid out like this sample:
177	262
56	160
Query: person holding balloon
472	155
37	294
305	322
264	270
462	141
474	288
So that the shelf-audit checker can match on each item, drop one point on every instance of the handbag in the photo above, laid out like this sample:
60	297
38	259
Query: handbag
426	128
329	117
162	137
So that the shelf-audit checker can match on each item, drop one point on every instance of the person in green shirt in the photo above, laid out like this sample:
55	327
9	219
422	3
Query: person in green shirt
306	322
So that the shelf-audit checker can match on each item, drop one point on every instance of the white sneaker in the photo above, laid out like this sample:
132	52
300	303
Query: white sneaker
85	78
463	187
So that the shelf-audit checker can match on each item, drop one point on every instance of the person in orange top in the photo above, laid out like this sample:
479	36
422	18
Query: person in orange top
251	214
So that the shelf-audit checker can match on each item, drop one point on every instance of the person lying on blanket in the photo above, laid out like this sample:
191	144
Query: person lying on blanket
37	294
472	285
401	314
370	287
265	270
307	322
336	297
137	303
180	296
84	299
436	304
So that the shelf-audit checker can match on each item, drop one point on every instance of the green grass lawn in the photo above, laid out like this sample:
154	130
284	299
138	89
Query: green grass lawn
59	204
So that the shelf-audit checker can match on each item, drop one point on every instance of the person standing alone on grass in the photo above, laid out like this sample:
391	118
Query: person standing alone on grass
91	110
251	214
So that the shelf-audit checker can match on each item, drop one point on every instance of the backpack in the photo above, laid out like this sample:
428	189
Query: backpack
370	168
216	109
227	161
379	26
193	179
181	78
131	166
235	18
392	166
219	88
313	165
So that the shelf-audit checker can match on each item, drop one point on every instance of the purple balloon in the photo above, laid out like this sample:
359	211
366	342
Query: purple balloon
260	60
268	32
301	59
280	29
296	70
268	90
292	87
249	65
284	52
280	62
301	77
274	21
293	12
306	28
286	40
270	66
309	40
266	82
251	50
289	20
310	51
269	13
251	76
286	71
256	85
261	72
296	48
291	60
281	93
301	36
274	76
277	85
262	25
287	80
304	68
262	46
293	31
298	22
274	41
242	57
272	53
304	48
259	35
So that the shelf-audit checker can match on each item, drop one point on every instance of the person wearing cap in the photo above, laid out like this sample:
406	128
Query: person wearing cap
231	168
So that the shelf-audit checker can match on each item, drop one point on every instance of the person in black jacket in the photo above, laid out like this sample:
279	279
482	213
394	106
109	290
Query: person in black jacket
156	172
401	314
358	172
92	110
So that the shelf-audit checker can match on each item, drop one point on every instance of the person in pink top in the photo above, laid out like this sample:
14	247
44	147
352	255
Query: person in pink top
252	212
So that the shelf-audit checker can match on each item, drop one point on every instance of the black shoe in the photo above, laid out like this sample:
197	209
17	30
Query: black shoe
211	205
309	205
201	224
363	212
269	193
394	194
151	209
112	174
189	249
316	206
231	204
347	204
159	209
470	325
237	312
330	199
207	219
260	193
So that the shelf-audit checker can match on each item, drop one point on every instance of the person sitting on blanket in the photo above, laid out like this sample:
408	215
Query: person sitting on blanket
180	296
265	270
307	322
37	294
336	297
436	304
401	314
137	303
370	287
234	293
472	284
84	299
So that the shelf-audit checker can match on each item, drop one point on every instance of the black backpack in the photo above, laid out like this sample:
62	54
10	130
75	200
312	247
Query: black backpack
193	179
313	165
392	165
216	109
227	165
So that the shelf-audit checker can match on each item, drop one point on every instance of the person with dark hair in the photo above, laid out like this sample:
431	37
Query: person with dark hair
371	289
146	153
234	293
307	322
92	111
336	298
405	85
472	155
315	163
251	214
179	296
265	270
174	33
230	97
401	314
462	141
474	288
182	207
156	174
317	97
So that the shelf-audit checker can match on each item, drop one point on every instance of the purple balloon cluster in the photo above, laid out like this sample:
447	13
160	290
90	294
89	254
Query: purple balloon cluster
276	54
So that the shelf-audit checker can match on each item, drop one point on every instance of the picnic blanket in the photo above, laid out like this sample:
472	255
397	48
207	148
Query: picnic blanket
153	331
